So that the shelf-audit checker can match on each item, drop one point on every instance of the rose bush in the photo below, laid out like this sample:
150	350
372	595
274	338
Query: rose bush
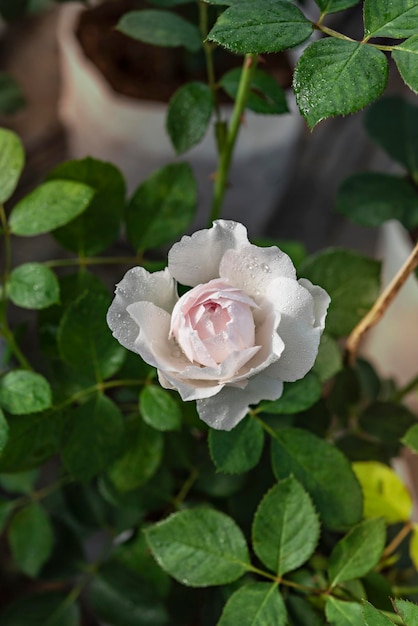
246	326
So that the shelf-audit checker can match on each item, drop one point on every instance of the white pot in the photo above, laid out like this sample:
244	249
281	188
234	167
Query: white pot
131	134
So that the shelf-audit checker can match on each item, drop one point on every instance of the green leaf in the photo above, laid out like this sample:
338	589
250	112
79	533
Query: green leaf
352	281
41	609
238	450
23	392
337	77
99	225
50	205
384	493
255	604
92	437
411	438
302	613
31	538
341	613
12	159
286	528
408	611
268	26
162	207
393	124
358	552
85	341
329	360
199	547
33	286
333	6
23	482
265	96
387	421
11	95
120	598
298	396
390	19
370	199
159	409
321	469
6	508
4	431
161	28
141	458
373	617
188	115
405	57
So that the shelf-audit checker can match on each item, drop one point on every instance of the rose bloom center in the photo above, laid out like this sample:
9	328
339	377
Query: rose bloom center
212	321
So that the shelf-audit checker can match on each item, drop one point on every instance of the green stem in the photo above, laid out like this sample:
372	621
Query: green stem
188	484
405	591
207	49
221	180
403	391
332	33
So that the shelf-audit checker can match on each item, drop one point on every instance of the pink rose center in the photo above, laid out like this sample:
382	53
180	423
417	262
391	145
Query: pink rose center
212	321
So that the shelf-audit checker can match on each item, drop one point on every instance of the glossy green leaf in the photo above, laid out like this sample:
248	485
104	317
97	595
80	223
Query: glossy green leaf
162	207
84	339
238	450
321	469
329	360
255	604
141	458
4	431
99	225
188	115
370	199
161	28
267	26
41	609
333	6
405	56
92	437
390	19
373	617
352	281
286	528
296	397
23	392
12	159
407	610
341	613
199	547
31	538
393	124
265	96
384	493
337	77
33	286
358	552
11	95
50	205
159	409
121	598
386	421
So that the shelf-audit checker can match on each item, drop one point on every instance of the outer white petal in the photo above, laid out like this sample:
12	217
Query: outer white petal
195	259
297	328
253	269
228	407
139	285
321	301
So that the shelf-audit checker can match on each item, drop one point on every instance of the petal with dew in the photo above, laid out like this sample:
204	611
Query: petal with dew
195	259
136	286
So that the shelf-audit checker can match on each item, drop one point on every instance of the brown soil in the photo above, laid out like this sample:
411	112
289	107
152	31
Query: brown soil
149	72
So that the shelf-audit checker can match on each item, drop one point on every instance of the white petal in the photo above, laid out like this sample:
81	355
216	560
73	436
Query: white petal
321	301
190	389
252	269
228	407
195	259
138	285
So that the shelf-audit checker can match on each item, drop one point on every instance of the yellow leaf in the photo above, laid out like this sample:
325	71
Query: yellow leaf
413	545
384	493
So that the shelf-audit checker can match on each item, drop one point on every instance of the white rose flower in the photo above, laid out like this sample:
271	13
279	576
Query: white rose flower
246	326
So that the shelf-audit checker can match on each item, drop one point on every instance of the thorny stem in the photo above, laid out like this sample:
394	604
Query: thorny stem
207	49
221	178
397	540
380	306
